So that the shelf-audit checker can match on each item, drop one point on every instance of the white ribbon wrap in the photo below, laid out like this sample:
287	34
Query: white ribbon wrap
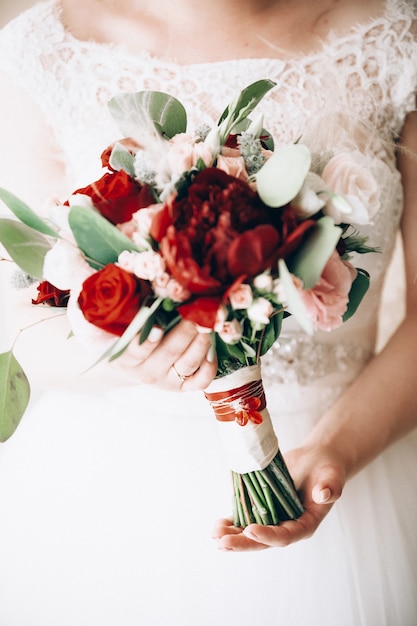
253	446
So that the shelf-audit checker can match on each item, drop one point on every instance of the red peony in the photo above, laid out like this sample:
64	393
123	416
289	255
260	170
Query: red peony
117	196
221	230
111	297
51	295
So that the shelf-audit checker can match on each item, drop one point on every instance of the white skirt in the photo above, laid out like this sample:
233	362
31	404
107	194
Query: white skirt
106	509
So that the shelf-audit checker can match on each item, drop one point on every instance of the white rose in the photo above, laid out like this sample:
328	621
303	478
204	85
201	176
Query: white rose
347	175
263	282
260	311
65	267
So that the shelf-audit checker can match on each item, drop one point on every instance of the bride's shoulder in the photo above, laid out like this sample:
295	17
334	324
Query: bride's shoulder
342	16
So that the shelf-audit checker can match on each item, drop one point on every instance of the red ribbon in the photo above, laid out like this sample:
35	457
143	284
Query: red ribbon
237	404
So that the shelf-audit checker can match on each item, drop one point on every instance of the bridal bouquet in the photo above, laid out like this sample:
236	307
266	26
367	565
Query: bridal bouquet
218	227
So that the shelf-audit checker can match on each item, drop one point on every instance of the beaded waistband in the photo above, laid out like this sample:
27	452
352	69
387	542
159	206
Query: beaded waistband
303	360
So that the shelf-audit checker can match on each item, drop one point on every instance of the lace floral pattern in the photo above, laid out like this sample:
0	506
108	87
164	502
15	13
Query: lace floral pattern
72	81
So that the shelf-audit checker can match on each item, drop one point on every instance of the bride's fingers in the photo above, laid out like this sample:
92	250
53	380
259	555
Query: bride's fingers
197	365
239	542
180	360
224	527
136	353
232	538
170	347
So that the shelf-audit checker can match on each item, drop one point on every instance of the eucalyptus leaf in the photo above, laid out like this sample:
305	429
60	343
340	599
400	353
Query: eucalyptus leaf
101	241
26	215
122	159
280	179
357	291
136	113
27	247
14	394
294	303
309	261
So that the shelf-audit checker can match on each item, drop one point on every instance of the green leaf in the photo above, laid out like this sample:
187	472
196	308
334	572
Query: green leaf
308	263
14	394
26	215
242	106
26	246
283	175
100	240
132	330
248	350
357	291
295	305
147	327
122	159
272	332
133	113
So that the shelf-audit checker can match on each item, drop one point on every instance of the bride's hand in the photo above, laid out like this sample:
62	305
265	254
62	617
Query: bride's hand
319	478
181	360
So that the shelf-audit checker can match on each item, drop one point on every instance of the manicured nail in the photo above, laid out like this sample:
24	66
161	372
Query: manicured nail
250	534
324	495
155	334
211	354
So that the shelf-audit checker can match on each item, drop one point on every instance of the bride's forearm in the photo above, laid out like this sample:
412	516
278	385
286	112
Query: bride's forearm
381	405
379	408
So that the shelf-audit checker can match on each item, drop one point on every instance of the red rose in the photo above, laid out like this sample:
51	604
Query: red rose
111	297
51	295
117	196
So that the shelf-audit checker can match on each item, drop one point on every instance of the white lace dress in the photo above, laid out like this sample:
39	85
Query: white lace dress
107	500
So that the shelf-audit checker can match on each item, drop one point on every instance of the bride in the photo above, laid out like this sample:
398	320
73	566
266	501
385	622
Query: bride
110	485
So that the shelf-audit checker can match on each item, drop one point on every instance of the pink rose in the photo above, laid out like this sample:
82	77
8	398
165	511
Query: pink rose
327	301
241	296
231	162
166	287
185	152
230	332
176	291
148	265
347	175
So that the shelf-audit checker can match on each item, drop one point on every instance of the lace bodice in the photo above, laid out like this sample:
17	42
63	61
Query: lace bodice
354	92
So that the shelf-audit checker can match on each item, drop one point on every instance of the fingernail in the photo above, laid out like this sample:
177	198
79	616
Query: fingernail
155	334
324	495
250	534
211	354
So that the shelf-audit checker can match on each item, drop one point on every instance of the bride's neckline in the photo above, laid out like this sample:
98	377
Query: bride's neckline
325	45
